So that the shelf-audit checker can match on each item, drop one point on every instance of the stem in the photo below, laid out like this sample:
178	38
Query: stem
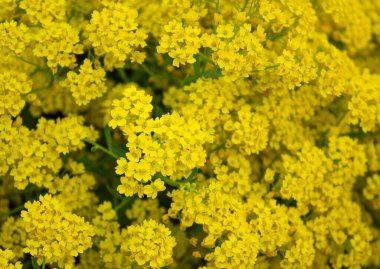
107	134
271	66
35	264
170	182
146	69
13	211
122	75
49	85
28	62
122	204
97	146
192	175
43	263
341	118
206	58
114	193
245	5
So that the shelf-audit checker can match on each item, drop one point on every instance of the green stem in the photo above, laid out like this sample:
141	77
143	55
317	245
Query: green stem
123	203
114	193
206	58
97	146
192	175
146	69
170	182
341	118
271	66
122	75
49	85
13	211
28	62
107	134
245	5
35	264
43	263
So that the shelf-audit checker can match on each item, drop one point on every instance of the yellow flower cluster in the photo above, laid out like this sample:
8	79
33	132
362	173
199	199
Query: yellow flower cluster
64	134
44	11
189	134
146	244
75	189
132	111
33	156
113	33
236	50
151	210
250	131
8	9
149	244
174	149
55	234
14	85
58	42
371	191
5	260
13	236
15	37
180	43
86	85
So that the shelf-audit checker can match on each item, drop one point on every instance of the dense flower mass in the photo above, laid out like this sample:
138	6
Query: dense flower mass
54	234
189	134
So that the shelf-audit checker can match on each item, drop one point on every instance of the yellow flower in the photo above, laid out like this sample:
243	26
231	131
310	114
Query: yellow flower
149	244
86	85
6	257
53	232
114	32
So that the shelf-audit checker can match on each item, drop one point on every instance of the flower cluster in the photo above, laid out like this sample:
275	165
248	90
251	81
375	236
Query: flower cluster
114	34
14	85
132	111
5	260
54	234
86	85
180	43
174	149
148	244
189	134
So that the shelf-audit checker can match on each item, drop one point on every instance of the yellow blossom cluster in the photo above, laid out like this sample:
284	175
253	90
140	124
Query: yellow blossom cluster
5	260
86	85
14	86
174	149
58	43
44	11
15	37
113	33
189	134
132	111
147	244
180	43
54	233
